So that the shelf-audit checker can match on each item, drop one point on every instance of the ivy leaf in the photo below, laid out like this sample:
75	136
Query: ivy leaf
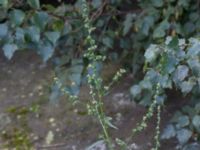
16	17
157	3
46	51
197	108
34	4
196	122
165	81
189	27
3	30
176	116
181	73
9	50
174	43
19	34
169	64
147	24
183	136
52	36
184	3
159	32
40	19
146	84
96	3
183	121
151	53
32	34
193	146
187	86
194	65
107	41
128	23
168	132
4	3
135	90
194	50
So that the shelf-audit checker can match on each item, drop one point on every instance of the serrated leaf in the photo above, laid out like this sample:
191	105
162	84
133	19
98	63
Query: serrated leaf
151	53
168	132
169	64
34	3
16	17
181	73
9	50
183	136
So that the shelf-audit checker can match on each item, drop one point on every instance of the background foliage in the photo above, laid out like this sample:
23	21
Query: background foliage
123	30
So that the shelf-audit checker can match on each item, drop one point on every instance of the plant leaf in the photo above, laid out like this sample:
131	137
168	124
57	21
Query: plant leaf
168	132
184	135
16	17
9	50
34	4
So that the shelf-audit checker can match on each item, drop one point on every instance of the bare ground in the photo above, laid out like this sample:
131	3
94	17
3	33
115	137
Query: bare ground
25	83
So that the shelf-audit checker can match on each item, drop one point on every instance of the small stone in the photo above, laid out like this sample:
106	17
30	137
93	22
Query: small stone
49	138
23	96
30	94
51	120
4	120
4	90
40	93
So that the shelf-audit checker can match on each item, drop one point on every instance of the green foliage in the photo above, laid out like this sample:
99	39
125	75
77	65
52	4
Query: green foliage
57	33
180	75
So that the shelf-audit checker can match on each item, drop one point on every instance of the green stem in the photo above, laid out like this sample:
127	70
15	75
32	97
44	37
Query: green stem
101	116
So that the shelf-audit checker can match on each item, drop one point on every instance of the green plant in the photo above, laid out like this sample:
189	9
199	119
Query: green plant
120	33
172	65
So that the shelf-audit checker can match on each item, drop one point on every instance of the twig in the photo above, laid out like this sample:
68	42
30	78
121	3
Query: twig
51	146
